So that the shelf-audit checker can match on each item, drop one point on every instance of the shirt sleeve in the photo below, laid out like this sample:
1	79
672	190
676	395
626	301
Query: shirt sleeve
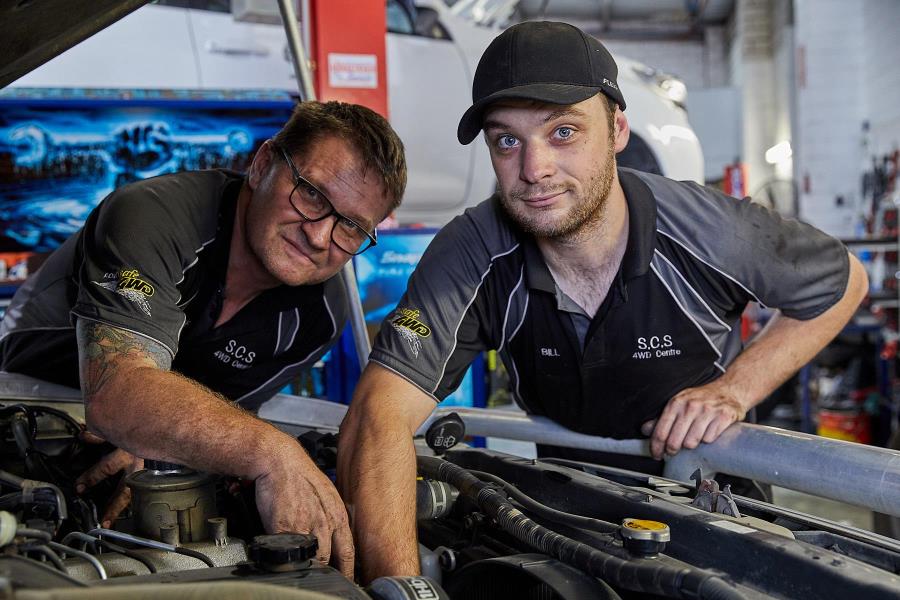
782	263
445	318
134	252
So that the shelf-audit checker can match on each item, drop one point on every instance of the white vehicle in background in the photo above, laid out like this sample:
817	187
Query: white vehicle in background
431	58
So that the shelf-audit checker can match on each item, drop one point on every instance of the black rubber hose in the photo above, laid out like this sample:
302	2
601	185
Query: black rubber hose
548	512
22	409
637	575
23	436
194	554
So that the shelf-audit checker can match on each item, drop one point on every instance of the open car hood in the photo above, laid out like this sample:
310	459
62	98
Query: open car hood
34	31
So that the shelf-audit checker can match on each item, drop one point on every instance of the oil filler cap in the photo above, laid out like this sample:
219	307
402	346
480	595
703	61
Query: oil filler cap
283	551
644	538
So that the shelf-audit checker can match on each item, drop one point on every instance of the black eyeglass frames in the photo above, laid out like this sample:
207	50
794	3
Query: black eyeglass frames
313	205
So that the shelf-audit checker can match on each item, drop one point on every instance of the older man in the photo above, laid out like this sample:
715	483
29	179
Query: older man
185	292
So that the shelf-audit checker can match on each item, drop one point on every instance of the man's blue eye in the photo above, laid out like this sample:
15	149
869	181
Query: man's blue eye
506	141
564	132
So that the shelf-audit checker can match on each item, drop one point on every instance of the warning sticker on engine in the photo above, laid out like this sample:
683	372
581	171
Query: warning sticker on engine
732	526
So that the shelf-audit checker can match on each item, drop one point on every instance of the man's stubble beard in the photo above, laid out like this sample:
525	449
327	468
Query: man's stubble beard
585	214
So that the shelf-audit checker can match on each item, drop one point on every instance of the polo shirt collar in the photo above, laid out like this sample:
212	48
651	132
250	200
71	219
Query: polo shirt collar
641	238
641	225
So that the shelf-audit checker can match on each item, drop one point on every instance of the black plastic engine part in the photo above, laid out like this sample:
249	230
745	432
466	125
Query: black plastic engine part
640	575
434	499
281	552
526	577
781	567
445	433
322	447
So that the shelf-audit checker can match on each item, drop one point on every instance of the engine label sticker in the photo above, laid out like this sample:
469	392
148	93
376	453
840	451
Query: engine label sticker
732	526
406	322
128	283
421	588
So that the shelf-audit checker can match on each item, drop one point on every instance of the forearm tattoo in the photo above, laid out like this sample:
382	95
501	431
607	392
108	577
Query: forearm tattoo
101	347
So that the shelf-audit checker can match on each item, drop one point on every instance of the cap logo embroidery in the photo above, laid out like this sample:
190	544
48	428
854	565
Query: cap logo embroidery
131	286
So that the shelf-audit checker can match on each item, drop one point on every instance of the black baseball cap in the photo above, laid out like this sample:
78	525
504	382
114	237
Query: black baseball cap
540	60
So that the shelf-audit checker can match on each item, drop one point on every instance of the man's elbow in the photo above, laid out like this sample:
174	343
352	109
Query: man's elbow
858	282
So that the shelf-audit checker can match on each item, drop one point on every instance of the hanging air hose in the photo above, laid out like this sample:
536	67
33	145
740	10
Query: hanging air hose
639	576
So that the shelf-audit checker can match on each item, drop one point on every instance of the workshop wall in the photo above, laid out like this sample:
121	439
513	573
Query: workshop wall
830	41
699	63
881	74
713	105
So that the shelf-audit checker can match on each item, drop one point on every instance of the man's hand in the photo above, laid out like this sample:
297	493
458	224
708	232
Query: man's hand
295	496
108	466
694	415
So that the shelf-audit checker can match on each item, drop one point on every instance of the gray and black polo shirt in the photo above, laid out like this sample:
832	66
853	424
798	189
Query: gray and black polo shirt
670	321
151	259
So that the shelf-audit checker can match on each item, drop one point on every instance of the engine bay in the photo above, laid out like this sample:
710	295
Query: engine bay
490	525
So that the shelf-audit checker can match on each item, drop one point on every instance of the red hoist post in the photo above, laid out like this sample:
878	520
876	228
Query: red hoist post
347	47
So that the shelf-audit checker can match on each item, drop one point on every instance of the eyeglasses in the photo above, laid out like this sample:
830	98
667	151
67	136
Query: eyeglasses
311	204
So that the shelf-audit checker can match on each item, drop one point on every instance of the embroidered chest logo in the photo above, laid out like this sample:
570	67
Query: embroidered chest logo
406	322
655	346
236	355
130	285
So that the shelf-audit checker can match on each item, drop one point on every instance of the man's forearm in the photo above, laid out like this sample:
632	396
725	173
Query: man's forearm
703	413
377	471
160	414
376	477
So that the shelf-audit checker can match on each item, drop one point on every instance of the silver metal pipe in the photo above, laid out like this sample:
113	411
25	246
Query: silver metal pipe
298	53
78	535
308	92
112	534
88	557
854	473
357	317
516	425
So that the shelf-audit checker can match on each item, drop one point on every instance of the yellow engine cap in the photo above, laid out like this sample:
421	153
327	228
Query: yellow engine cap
642	529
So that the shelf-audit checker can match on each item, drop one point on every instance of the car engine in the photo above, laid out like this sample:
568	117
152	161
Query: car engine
490	525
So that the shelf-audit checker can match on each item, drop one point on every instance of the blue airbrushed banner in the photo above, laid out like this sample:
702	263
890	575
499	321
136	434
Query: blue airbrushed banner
62	151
